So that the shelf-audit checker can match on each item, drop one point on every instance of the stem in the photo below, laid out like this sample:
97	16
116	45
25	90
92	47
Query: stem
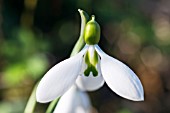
78	46
31	102
52	105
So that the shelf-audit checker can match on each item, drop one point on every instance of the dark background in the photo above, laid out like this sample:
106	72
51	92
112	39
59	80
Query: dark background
36	34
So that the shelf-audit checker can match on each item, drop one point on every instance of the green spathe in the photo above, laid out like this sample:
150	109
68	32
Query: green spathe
92	32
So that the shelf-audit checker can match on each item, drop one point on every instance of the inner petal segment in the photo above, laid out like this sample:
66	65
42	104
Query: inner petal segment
91	60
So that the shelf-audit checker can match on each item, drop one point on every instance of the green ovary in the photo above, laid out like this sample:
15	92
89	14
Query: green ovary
92	32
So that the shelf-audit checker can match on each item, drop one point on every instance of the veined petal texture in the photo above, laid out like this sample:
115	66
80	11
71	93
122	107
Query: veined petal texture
120	78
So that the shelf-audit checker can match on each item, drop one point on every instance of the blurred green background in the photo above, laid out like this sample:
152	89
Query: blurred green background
36	34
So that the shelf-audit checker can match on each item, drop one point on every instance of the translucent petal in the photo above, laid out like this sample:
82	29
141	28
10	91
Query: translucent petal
59	78
73	101
120	78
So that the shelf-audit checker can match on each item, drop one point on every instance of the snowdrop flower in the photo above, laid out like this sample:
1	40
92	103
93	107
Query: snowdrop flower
93	67
73	101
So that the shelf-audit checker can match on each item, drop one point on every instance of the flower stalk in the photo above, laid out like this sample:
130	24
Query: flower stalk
32	101
52	105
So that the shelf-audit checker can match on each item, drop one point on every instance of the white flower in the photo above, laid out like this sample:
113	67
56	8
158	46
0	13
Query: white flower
73	101
91	67
119	77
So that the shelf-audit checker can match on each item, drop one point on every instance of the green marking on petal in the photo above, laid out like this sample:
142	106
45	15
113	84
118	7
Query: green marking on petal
95	58
91	69
91	61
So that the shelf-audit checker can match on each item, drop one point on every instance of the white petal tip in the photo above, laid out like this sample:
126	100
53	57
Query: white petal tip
139	98
133	96
40	99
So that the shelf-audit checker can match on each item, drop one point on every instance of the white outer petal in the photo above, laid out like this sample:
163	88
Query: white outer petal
73	101
120	78
59	78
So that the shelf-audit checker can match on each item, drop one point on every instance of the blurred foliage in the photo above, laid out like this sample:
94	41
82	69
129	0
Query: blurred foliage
36	34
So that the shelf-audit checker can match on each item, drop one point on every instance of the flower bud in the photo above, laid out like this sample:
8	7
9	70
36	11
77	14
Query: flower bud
92	32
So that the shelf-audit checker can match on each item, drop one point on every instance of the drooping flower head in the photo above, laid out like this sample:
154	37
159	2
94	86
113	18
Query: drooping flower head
90	68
